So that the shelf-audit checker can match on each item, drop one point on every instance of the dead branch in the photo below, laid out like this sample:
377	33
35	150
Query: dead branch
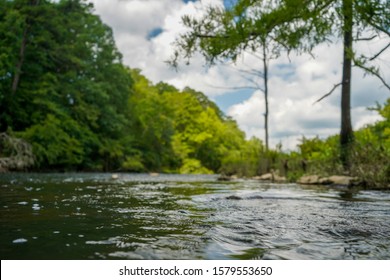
379	53
329	93
374	73
366	38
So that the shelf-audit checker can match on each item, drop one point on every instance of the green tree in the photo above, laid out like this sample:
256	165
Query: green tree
294	25
152	123
81	109
351	20
63	73
225	34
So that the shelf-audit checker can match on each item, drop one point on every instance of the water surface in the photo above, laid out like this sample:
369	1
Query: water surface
92	216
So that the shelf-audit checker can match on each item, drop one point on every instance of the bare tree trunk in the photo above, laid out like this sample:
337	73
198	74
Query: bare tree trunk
346	133
265	67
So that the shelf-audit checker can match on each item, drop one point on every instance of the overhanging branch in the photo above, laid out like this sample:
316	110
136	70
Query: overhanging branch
367	38
206	36
238	88
329	93
374	73
379	53
380	28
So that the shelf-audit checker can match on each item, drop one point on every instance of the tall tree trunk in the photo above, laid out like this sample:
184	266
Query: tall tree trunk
19	64
22	51
346	133
265	67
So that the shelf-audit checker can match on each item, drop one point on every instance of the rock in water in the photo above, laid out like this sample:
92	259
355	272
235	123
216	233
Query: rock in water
234	197
309	180
224	178
267	177
255	197
342	180
332	180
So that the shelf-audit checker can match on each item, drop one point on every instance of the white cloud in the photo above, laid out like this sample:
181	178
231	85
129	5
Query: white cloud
295	82
295	86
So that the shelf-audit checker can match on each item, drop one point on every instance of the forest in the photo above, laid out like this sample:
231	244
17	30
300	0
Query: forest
68	103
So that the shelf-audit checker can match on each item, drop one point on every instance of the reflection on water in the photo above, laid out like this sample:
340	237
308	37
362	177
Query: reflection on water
93	216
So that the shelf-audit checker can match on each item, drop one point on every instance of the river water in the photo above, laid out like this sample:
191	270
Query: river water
93	216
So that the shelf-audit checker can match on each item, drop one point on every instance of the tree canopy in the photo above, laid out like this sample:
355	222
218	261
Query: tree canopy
65	91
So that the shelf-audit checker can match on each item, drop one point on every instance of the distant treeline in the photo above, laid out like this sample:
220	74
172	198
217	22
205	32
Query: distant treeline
65	91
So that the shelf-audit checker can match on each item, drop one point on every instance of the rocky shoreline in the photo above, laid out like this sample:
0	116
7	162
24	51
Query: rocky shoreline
334	180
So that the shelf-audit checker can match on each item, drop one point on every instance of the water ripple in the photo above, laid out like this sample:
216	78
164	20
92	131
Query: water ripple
89	216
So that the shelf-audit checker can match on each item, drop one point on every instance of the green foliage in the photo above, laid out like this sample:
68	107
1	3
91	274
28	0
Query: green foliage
193	166
371	159
245	160
152	124
321	156
52	145
371	154
133	164
181	131
71	98
65	90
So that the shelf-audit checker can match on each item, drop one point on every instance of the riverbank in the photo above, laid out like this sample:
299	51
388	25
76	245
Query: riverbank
333	180
313	180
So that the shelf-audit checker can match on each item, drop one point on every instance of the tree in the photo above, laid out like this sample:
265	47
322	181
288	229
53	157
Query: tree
299	25
152	123
181	131
63	86
226	34
81	109
353	20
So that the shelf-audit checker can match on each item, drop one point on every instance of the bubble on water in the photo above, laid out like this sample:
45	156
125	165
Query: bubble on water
19	240
81	235
36	207
56	231
23	203
29	189
100	242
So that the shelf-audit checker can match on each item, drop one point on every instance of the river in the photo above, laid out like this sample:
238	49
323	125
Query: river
138	216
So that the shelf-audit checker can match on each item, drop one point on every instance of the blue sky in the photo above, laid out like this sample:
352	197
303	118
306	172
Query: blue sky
229	99
144	31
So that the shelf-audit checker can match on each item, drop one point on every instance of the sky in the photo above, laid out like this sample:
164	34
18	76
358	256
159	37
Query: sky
145	31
